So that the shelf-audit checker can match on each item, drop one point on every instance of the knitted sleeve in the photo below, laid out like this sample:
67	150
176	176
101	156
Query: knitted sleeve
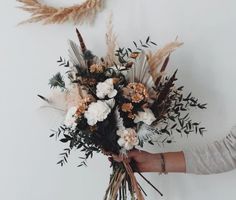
217	157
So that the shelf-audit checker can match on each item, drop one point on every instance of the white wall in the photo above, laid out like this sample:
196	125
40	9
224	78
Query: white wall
28	53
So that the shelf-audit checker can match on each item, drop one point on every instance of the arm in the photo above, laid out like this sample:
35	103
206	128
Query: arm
148	162
217	157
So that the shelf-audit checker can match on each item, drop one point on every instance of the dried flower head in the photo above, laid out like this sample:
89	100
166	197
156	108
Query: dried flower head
95	68
127	107
136	92
83	106
89	81
128	138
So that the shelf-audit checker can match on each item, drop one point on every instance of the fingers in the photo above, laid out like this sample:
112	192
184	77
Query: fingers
120	158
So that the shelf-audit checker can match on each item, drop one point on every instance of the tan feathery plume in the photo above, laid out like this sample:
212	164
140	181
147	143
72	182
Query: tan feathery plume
156	60
79	14
111	41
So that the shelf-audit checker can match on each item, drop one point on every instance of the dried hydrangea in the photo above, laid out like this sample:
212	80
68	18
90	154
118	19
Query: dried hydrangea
136	92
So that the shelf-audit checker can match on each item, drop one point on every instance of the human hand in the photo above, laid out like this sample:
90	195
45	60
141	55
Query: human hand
144	161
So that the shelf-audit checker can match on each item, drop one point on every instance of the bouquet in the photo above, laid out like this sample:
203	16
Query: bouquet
119	102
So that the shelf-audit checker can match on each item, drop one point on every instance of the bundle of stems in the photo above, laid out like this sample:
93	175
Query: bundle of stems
123	181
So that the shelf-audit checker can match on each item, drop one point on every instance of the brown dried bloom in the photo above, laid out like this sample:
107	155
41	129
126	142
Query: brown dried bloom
89	81
127	107
83	106
136	98
95	68
131	115
136	92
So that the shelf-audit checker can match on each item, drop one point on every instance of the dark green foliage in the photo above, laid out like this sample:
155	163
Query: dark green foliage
172	109
64	156
88	142
63	62
124	53
57	81
140	45
43	98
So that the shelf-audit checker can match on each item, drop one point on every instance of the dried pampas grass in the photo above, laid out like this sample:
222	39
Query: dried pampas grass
111	41
157	59
79	14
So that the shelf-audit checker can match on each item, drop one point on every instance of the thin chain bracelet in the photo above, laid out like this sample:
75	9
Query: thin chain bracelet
163	164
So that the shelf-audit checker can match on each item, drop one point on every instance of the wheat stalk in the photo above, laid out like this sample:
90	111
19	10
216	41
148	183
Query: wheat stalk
79	14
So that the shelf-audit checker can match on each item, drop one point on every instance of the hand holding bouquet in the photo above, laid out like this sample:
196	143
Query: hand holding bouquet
119	102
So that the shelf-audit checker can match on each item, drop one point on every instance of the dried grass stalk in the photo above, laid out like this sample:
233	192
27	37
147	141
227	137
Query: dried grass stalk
157	59
134	182
111	41
79	14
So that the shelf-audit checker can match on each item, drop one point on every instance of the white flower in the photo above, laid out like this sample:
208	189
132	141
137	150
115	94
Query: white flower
97	112
106	88
128	138
70	119
147	117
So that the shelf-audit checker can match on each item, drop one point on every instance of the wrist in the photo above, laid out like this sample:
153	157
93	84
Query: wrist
155	164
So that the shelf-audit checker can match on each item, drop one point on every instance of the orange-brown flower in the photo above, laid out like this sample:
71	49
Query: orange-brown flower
136	92
136	98
89	81
81	109
83	106
95	68
127	107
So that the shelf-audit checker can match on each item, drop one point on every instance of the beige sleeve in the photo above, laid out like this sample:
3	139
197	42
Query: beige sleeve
217	157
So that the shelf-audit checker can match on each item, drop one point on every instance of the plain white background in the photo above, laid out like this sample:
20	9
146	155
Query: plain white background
28	54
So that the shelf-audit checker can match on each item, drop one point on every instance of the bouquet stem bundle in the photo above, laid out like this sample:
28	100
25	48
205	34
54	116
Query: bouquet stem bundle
123	180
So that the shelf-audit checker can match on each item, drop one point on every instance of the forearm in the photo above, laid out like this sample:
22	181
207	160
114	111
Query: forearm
174	162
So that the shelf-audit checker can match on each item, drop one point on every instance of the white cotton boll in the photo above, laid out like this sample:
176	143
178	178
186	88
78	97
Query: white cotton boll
97	112
70	119
147	117
106	88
